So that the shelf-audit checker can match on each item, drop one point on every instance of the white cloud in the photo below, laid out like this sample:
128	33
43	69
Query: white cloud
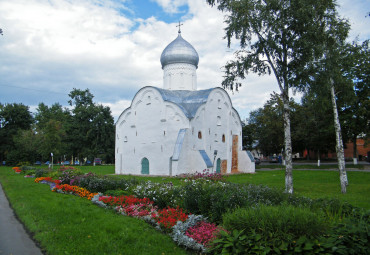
118	107
51	47
170	6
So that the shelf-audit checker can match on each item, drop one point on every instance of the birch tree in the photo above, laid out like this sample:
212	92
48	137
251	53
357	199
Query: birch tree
331	74
276	36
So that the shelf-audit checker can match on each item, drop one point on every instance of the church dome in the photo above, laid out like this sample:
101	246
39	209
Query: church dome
179	51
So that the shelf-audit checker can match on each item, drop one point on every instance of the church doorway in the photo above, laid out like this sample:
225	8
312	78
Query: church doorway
218	166
144	166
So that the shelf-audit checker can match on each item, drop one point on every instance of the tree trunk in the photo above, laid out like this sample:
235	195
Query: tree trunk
339	142
288	145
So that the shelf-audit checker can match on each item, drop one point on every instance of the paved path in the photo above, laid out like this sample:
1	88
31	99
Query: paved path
13	238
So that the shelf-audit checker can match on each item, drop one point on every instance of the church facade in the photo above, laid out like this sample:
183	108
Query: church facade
178	129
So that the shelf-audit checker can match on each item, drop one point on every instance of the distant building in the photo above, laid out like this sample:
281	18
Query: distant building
363	150
178	129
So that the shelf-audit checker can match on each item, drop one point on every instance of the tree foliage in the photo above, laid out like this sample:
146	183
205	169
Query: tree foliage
355	114
13	118
276	36
85	131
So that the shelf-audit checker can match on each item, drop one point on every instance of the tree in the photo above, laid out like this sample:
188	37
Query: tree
92	129
268	126
317	127
26	147
329	73
13	118
276	36
51	125
355	103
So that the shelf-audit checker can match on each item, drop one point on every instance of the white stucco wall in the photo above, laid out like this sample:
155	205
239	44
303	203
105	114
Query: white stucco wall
214	120
180	76
150	127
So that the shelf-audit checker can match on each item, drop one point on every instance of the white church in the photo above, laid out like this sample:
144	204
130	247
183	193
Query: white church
178	129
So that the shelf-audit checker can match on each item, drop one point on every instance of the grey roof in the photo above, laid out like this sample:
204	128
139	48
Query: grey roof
189	101
179	51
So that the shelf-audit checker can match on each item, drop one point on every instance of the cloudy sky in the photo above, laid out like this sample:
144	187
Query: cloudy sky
113	48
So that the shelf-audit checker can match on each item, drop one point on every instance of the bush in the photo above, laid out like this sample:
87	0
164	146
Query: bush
241	242
285	222
41	173
94	183
117	193
214	199
66	176
163	194
350	237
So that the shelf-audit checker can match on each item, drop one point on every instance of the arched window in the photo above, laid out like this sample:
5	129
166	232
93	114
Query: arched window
223	138
144	166
200	135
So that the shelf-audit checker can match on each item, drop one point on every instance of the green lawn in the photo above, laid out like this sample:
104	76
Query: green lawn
309	166
315	184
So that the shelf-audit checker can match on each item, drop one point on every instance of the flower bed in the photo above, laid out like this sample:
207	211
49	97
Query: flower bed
204	232
17	170
168	217
195	233
46	179
81	192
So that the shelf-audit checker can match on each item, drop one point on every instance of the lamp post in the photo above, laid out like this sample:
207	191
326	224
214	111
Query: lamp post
52	160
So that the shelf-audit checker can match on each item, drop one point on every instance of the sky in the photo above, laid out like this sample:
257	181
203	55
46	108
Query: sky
113	48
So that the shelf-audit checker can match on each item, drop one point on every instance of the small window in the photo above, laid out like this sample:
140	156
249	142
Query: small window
223	138
125	139
218	120
164	132
200	135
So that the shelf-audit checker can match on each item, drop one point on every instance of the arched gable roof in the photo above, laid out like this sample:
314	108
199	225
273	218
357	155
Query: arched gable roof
188	101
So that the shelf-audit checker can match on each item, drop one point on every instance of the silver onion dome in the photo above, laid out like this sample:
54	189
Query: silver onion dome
179	51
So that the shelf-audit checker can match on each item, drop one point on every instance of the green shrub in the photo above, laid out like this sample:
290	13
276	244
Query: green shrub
117	193
214	199
66	176
94	183
241	242
41	173
284	221
350	237
163	194
282	229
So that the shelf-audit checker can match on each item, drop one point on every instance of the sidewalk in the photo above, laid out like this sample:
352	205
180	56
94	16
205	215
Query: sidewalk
13	238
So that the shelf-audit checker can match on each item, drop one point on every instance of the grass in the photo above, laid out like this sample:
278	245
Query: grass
315	184
309	166
65	224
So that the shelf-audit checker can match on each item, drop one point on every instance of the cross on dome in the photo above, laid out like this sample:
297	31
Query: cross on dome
179	25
